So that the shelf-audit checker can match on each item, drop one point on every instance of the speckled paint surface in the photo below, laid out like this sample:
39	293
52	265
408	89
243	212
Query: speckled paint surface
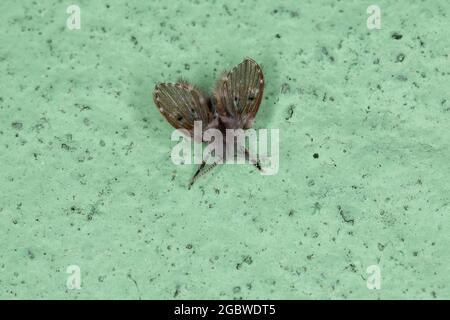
87	180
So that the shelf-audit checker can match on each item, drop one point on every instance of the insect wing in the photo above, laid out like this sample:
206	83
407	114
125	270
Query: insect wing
239	92
182	104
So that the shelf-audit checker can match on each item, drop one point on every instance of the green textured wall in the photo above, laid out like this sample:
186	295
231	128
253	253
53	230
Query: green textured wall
86	177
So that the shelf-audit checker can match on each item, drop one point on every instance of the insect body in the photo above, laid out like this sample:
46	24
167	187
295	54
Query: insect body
233	105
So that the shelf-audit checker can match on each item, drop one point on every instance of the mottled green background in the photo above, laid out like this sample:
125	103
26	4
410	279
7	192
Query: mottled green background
86	177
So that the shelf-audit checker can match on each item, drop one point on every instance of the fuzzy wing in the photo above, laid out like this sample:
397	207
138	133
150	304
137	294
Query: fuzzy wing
182	104
239	92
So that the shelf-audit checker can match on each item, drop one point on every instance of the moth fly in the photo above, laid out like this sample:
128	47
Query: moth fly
233	105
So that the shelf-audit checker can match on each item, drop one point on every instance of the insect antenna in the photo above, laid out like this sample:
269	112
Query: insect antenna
202	169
